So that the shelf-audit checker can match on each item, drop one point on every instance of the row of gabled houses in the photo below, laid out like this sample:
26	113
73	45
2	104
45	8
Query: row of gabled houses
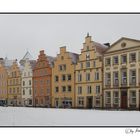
101	76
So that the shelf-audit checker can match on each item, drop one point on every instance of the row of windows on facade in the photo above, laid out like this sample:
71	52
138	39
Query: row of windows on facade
13	82
14	90
63	77
36	82
89	89
27	74
14	74
24	83
40	72
41	91
41	101
3	76
124	79
63	89
116	97
88	64
132	58
25	92
88	76
81	101
3	91
3	83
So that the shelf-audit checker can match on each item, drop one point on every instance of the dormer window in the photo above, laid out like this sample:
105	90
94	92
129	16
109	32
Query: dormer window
87	56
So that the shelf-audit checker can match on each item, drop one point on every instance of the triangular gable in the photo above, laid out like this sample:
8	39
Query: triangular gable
123	43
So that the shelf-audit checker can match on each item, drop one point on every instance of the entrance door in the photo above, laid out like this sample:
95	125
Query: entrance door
56	103
89	102
124	99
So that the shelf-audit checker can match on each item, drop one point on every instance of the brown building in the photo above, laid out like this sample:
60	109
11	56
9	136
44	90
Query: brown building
42	73
4	67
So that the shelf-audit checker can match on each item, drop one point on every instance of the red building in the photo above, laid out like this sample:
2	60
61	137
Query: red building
42	74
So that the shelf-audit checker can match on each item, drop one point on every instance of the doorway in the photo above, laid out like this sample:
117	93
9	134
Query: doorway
89	102
124	99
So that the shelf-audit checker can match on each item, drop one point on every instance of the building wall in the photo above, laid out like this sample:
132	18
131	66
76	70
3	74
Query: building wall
42	81
120	88
3	83
89	54
63	98
14	85
27	85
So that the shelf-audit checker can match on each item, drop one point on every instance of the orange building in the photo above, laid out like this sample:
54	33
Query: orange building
42	73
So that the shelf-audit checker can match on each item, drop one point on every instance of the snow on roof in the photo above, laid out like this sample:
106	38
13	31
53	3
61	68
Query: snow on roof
74	57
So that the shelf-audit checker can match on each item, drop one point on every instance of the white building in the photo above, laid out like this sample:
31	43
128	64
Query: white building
27	88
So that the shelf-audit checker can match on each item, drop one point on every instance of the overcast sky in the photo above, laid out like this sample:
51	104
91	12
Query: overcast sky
19	33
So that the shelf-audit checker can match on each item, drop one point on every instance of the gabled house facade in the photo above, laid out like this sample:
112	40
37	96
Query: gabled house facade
122	74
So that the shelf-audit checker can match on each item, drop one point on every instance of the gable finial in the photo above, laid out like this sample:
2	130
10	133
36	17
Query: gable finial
87	34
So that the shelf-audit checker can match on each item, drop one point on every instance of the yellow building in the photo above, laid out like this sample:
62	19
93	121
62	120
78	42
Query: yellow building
88	75
122	74
63	94
14	85
3	84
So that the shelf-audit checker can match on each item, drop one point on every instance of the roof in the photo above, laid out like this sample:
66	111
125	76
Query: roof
122	38
26	56
51	60
99	47
74	57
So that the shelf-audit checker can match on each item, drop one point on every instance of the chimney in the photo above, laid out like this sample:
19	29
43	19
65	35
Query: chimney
107	44
42	52
63	49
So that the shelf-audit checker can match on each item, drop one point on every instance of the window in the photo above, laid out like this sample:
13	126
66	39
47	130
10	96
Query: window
133	97
124	59
115	97
108	79
89	90
63	89
97	89
108	61
115	80
48	82
17	89
24	73
28	73
23	92
87	56
81	65
56	89
79	77
56	78
62	57
79	89
87	64
16	81
48	90
63	77
80	101
87	76
132	57
30	92
108	97
124	77
96	75
115	60
132	76
62	67
139	56
69	88
30	102
23	83
30	82
14	90
69	77
87	48
94	63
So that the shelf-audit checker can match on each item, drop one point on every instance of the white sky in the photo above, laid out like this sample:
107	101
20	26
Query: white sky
49	32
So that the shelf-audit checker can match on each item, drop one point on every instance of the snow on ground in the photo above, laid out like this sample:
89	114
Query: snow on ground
23	116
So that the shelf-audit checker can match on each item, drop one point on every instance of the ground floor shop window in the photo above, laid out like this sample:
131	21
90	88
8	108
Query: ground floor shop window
80	101
108	97
133	97
116	97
